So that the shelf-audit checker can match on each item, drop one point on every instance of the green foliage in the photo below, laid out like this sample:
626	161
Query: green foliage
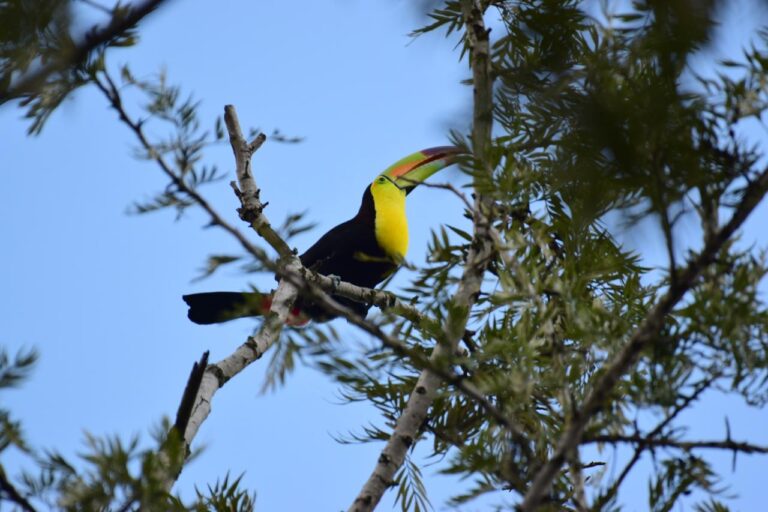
677	477
13	372
225	496
45	55
30	32
298	344
580	101
181	152
215	262
411	492
712	506
109	473
294	224
34	33
602	121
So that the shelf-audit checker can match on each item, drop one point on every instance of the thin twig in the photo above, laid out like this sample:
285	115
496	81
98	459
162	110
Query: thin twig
97	6
577	477
649	442
444	186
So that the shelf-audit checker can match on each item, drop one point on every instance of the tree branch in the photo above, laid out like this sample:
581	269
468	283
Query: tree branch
601	386
217	374
651	442
415	412
601	500
249	193
96	37
7	488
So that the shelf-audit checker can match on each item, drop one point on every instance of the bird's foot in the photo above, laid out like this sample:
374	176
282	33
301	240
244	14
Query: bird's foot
335	282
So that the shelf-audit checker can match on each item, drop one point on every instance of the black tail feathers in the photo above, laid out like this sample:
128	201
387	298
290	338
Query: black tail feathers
216	307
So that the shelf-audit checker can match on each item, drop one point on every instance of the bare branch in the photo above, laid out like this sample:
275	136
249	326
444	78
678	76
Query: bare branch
218	374
248	193
443	186
601	386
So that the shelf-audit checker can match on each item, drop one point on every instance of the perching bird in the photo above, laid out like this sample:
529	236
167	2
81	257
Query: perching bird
364	250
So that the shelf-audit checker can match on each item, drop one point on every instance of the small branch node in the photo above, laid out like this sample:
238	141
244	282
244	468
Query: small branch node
256	143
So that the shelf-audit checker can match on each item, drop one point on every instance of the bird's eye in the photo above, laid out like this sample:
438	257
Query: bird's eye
382	179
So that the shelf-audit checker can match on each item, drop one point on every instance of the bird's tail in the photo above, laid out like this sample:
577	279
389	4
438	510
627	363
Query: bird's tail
216	307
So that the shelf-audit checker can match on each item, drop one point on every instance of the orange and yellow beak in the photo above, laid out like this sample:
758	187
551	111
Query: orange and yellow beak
412	170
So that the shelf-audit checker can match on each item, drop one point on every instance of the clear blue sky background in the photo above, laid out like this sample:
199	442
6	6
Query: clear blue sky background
98	292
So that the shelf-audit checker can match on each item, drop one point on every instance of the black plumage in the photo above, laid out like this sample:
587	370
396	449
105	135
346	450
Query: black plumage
349	251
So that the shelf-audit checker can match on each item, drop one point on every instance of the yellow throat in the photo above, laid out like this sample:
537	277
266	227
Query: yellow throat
391	223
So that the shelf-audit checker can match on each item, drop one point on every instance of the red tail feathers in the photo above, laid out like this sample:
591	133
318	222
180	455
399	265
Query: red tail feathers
296	318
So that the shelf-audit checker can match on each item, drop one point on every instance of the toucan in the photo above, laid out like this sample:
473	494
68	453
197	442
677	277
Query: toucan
363	251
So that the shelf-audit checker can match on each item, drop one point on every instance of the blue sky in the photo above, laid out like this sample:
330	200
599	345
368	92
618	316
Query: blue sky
98	292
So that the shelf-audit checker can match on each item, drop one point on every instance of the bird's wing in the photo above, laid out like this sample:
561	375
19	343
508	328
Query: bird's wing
332	244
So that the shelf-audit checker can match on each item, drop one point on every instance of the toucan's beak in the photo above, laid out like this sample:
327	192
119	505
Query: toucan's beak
415	168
